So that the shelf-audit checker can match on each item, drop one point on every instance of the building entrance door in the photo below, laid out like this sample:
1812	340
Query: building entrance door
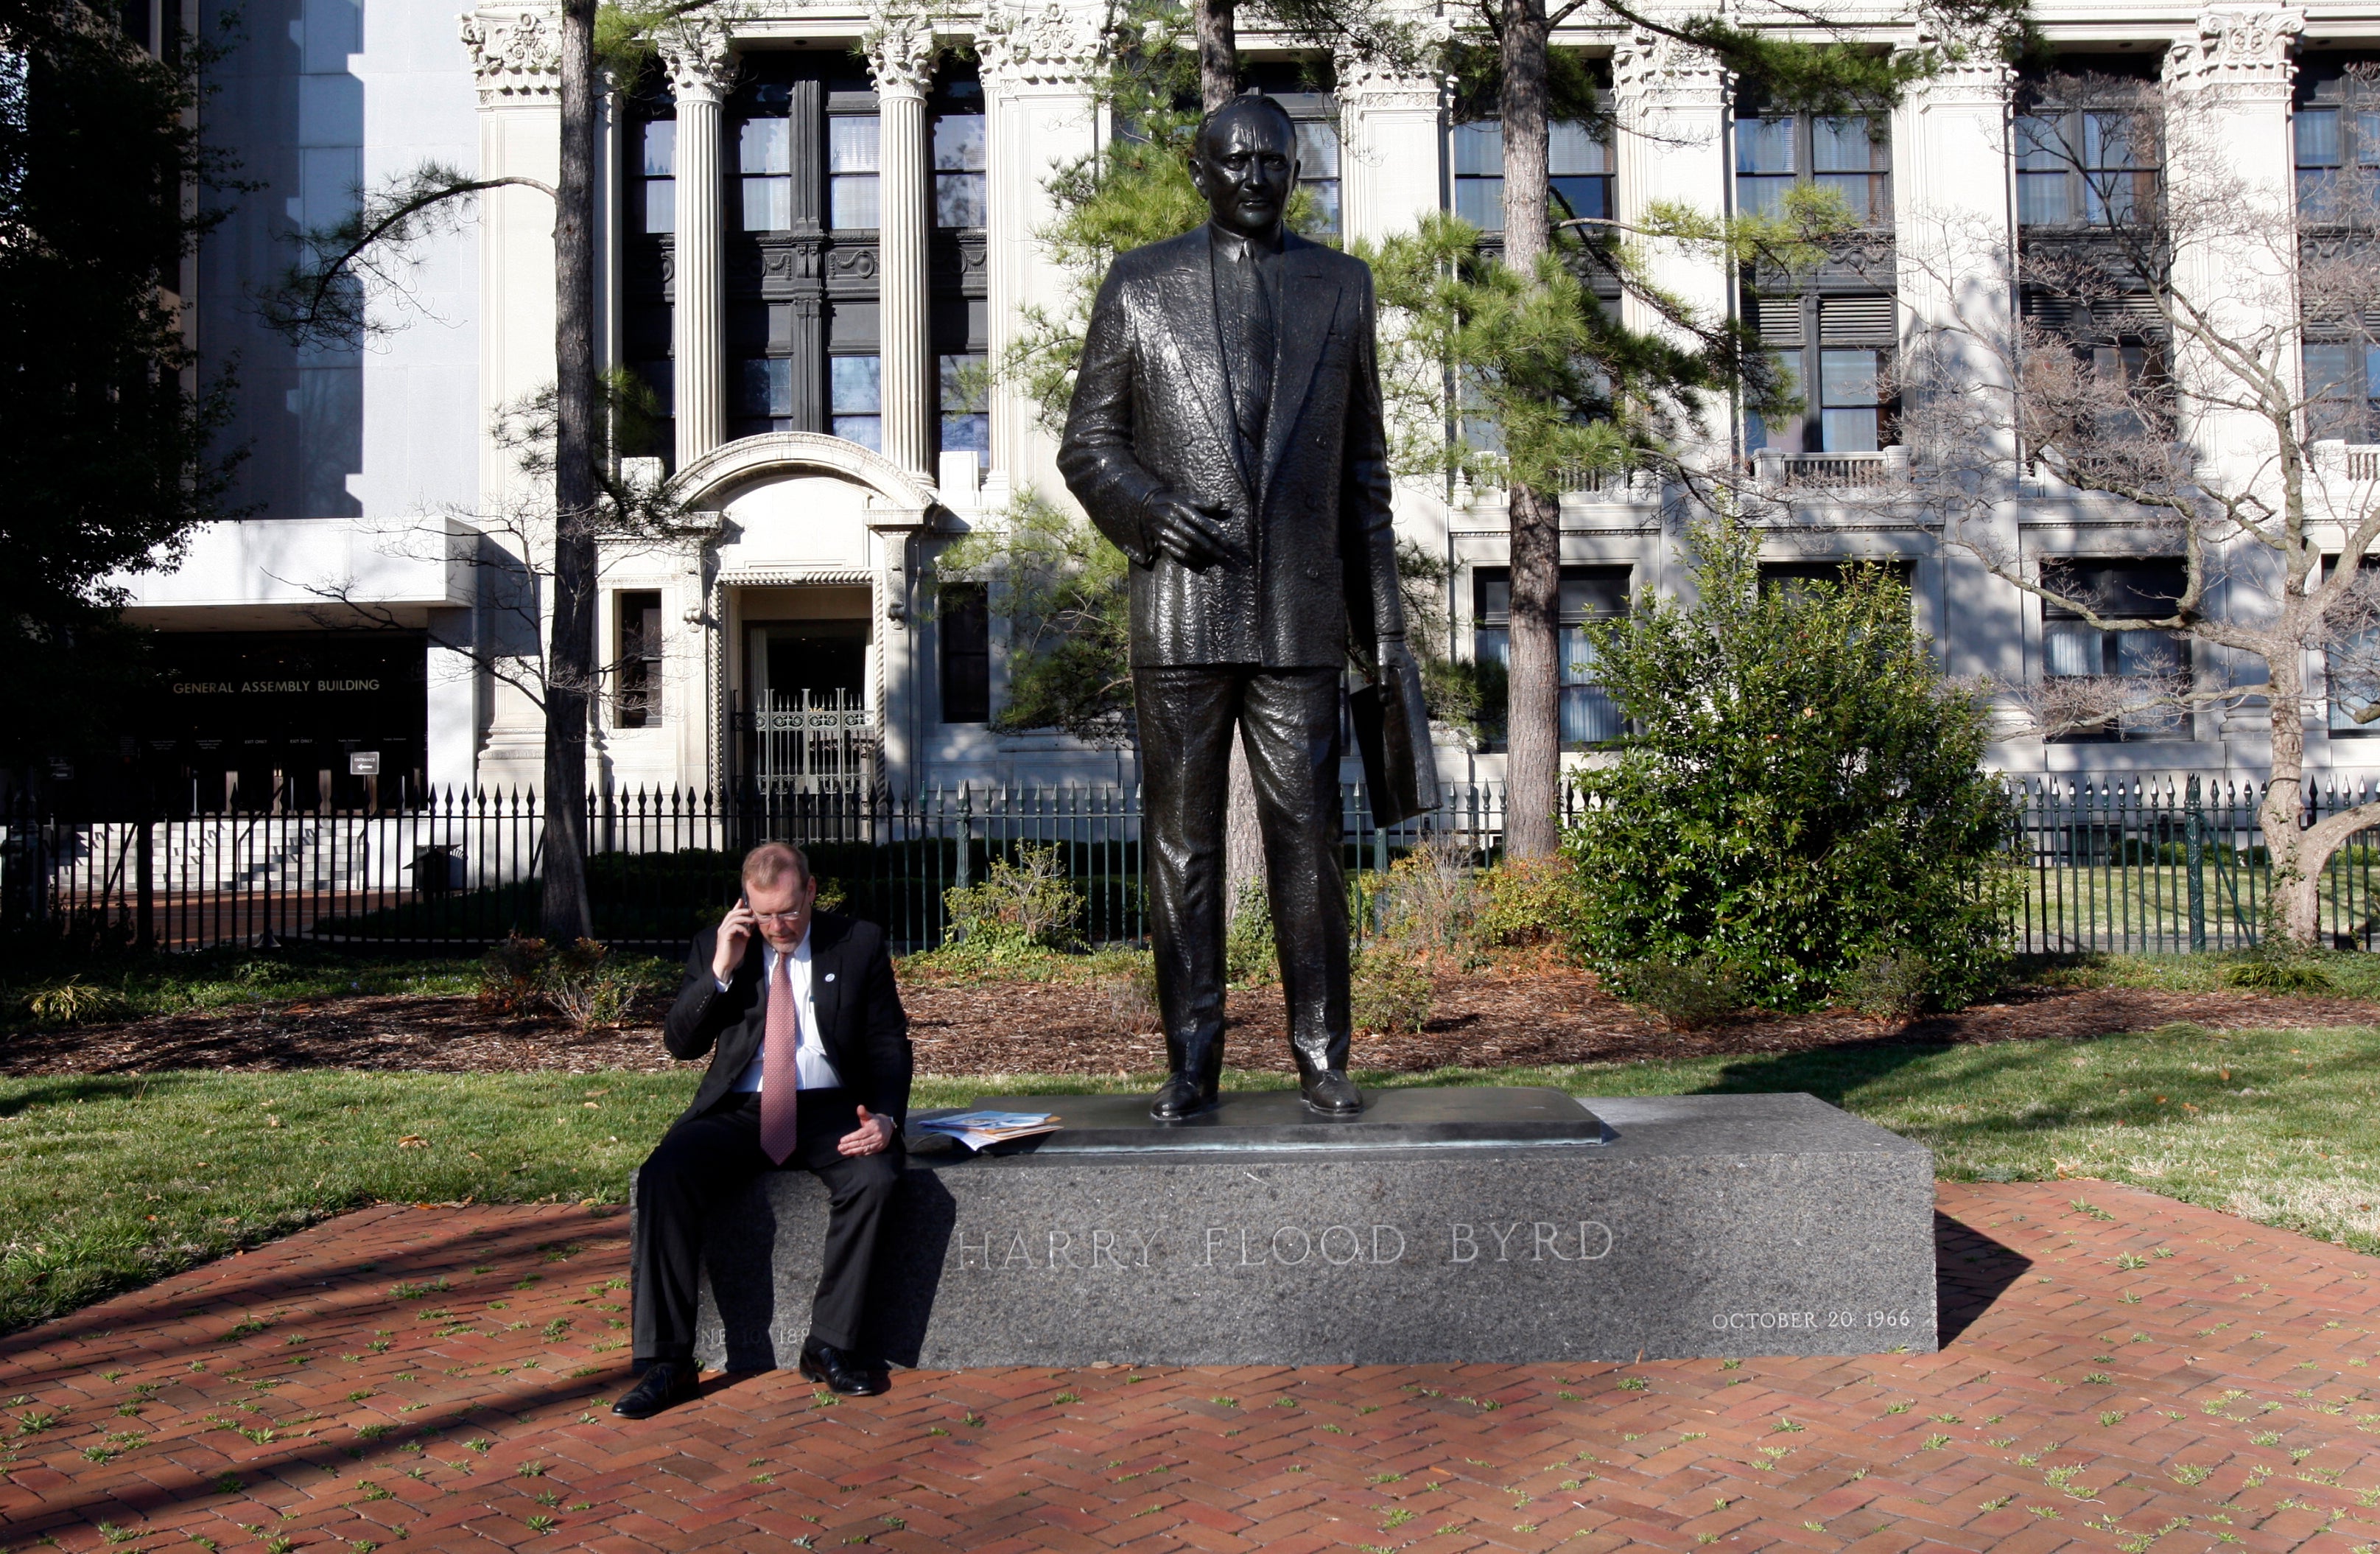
809	728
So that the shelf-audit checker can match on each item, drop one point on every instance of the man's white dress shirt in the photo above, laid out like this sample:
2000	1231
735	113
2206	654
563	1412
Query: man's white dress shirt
812	1069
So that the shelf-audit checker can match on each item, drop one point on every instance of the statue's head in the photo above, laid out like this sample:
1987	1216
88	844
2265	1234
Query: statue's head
1245	162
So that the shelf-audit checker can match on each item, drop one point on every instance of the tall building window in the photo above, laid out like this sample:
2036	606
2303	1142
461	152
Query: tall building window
1850	154
2337	136
1317	170
2089	168
855	388
958	159
963	627
1835	350
1578	171
1588	714
764	386
657	190
2342	382
638	673
764	158
967	404
2072	648
853	160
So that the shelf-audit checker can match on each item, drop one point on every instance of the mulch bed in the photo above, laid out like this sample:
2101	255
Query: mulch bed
1495	1017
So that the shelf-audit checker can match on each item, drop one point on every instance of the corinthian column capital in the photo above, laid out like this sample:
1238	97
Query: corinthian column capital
2236	47
1650	69
516	53
700	59
900	48
1022	43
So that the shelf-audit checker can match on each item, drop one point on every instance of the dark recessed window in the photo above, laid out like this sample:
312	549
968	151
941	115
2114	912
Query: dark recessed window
2072	648
639	669
1588	714
964	629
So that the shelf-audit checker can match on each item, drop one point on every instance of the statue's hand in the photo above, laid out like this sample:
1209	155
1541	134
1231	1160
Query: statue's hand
1188	536
1395	656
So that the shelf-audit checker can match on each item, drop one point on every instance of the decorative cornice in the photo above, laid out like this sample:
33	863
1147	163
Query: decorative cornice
1649	68
698	57
1021	44
515	54
2237	46
899	44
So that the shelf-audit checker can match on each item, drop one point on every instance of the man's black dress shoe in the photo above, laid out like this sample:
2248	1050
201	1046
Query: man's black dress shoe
840	1371
1181	1096
665	1384
1331	1093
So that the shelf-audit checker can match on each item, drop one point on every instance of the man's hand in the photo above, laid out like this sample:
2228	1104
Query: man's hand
1185	534
873	1136
1394	657
735	931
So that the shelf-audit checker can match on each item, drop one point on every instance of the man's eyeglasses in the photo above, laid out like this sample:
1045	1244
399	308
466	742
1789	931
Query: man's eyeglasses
777	917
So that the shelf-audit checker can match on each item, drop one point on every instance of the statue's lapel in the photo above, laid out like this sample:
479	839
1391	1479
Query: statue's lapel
1194	347
1304	308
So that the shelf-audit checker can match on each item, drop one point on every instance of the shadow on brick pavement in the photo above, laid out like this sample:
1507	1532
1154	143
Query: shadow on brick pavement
2120	1371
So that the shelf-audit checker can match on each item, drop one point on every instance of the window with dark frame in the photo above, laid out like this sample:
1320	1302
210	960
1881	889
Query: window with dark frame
959	156
963	627
2084	167
1589	717
2072	648
1850	154
1836	350
2335	130
638	670
1578	171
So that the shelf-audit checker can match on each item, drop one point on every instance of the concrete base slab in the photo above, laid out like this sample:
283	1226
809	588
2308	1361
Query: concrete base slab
1704	1225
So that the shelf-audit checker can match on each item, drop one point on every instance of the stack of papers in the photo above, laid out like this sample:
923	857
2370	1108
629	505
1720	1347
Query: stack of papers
977	1129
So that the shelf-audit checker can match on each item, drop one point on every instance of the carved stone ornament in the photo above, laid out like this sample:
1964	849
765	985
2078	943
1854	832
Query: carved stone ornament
1046	44
1972	56
1647	67
2237	45
698	57
1378	79
515	54
900	48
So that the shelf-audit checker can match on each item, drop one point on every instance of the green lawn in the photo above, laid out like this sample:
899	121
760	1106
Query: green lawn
108	1182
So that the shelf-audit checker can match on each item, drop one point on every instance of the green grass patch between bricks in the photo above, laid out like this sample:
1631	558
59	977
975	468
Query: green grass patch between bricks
108	1182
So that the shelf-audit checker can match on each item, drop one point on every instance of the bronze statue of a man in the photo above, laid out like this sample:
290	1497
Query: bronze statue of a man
1226	434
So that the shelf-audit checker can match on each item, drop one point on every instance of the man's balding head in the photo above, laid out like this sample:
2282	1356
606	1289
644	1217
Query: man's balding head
1245	162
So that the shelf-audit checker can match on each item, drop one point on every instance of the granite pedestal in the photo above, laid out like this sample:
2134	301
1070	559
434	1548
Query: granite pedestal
1440	1226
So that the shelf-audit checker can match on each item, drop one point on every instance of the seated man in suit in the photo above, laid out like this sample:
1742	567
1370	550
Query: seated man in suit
812	1069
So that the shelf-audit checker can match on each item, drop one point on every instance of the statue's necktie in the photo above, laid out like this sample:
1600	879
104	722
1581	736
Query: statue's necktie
780	1090
1251	322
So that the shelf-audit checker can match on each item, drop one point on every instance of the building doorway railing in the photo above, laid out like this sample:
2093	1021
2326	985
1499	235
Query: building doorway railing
810	741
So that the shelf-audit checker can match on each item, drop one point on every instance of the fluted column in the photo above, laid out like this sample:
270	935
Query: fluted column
901	57
1039	61
1389	163
702	69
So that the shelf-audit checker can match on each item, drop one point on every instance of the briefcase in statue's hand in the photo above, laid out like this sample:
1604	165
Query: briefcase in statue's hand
1392	734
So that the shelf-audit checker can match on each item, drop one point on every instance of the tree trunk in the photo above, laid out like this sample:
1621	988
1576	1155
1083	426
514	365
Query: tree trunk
1218	52
1533	721
1242	841
2296	873
570	661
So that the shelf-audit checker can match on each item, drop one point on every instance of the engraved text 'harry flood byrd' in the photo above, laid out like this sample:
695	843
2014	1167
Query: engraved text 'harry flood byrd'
1289	1246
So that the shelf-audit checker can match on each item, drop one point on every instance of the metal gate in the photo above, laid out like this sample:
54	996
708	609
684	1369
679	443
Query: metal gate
812	742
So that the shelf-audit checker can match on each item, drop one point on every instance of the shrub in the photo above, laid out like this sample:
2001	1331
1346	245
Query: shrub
1249	952
2264	971
511	975
1891	986
1687	995
1390	991
76	1002
1132	999
1430	903
589	986
1024	905
1528	900
1802	791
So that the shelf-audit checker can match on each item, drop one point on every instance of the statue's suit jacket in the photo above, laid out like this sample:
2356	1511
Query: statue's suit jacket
1315	569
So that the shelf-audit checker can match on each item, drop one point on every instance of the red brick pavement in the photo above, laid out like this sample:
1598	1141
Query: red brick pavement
2128	1373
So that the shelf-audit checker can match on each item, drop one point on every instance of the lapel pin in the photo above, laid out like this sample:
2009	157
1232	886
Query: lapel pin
830	977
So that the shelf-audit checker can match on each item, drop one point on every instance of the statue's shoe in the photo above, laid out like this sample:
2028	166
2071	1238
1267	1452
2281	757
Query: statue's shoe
1331	1093
1181	1096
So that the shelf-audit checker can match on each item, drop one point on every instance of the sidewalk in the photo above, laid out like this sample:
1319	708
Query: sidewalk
2129	1375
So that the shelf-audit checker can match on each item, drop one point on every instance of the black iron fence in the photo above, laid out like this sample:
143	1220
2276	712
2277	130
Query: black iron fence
2135	864
466	870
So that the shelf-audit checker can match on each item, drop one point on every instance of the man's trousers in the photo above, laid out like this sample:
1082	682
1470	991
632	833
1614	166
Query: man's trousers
703	1164
1288	720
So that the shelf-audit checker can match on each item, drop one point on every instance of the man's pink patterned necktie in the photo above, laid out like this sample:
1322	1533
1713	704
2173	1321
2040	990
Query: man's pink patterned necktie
778	1088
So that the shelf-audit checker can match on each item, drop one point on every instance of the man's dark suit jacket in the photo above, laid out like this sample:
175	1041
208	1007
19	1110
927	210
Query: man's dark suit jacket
861	1020
1152	413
